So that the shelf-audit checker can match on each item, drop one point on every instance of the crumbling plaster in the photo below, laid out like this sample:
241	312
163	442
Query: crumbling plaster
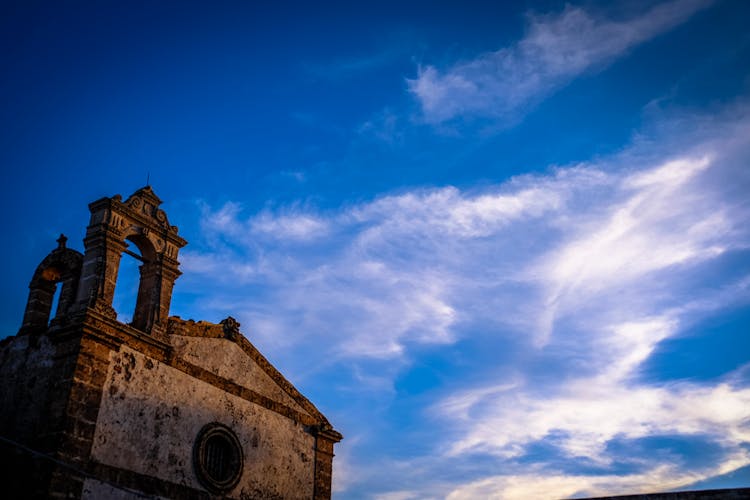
167	408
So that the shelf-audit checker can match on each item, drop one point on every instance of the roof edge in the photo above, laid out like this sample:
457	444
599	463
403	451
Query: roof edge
228	329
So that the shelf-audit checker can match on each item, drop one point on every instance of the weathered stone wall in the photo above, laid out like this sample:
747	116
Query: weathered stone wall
167	408
228	360
27	374
36	379
98	490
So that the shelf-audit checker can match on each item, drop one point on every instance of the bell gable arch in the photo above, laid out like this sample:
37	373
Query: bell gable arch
61	266
115	223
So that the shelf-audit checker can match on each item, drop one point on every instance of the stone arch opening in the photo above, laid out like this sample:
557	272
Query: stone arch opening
126	287
52	289
55	308
138	280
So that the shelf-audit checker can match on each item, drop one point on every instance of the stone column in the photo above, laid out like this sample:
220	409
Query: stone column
325	438
104	245
37	313
79	420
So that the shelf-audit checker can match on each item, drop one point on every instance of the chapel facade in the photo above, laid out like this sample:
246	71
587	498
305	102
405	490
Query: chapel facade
161	407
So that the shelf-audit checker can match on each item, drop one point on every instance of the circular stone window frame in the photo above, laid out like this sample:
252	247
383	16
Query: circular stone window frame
215	430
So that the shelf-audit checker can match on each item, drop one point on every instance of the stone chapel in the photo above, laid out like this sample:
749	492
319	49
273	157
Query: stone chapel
161	407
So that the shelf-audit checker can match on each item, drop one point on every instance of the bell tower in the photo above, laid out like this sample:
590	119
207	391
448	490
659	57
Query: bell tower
113	225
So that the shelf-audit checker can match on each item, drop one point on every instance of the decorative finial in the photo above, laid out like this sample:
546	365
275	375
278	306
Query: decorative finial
148	178
61	241
231	328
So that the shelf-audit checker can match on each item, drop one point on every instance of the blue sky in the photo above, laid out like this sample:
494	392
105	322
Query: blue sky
504	246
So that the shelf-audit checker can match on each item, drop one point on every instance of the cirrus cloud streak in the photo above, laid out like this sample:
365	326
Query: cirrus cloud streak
556	49
574	278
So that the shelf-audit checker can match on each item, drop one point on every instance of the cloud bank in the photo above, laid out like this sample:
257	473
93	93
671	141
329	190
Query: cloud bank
572	278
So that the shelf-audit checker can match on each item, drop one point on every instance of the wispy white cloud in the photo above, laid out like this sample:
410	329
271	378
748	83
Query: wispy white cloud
399	495
293	224
386	273
587	268
540	485
616	278
555	49
653	224
300	227
590	412
415	266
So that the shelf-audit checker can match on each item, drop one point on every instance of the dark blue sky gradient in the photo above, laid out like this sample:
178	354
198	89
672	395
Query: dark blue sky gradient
293	114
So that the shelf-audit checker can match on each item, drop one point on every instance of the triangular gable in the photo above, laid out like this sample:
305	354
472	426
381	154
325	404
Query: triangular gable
222	350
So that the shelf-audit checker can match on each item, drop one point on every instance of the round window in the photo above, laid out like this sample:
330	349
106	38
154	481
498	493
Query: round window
217	457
